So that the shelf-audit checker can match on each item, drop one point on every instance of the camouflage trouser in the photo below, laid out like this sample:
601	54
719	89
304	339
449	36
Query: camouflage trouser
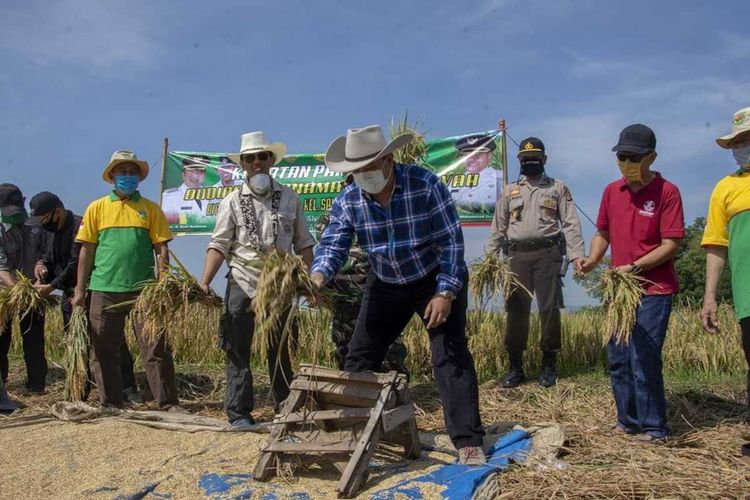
344	320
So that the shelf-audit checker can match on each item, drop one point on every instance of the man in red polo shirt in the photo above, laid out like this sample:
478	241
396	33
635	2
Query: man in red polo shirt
640	216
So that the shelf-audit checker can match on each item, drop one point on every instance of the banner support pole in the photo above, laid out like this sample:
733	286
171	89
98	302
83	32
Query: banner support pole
501	127
164	151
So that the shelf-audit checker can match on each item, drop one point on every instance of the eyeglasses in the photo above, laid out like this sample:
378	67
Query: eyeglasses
634	157
262	156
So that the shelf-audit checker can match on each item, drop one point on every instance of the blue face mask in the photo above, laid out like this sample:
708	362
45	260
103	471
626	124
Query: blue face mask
127	184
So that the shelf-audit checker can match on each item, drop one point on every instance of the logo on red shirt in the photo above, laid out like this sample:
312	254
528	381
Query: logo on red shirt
648	209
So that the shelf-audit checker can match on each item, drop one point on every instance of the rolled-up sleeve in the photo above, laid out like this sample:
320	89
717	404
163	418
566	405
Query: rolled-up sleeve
335	242
446	233
224	230
302	238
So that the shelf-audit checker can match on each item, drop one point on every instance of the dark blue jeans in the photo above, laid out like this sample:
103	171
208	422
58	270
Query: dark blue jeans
636	370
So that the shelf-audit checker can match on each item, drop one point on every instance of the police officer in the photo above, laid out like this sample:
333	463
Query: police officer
537	227
475	151
349	286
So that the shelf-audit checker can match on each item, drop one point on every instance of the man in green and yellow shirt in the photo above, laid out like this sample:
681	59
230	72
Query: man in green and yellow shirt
120	233
727	234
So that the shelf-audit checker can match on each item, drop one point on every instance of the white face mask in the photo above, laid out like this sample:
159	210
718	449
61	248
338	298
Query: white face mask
742	155
371	182
260	183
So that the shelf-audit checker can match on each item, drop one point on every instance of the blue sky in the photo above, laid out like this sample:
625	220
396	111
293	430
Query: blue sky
83	78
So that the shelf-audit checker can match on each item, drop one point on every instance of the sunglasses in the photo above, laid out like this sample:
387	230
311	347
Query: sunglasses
262	156
630	157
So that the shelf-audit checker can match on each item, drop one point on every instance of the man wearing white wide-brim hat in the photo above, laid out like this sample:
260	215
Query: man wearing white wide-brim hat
404	218
251	222
727	235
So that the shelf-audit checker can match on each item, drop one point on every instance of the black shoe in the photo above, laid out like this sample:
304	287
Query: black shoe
549	376
130	395
514	378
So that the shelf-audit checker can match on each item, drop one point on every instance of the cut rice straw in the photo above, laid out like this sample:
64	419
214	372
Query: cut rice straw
76	355
21	299
283	281
163	303
621	296
491	276
415	151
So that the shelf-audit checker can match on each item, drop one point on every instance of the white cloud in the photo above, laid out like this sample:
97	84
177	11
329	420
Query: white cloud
100	38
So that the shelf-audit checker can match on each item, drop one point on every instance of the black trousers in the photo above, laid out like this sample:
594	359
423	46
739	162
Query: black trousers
126	358
236	337
539	272
32	335
386	310
745	326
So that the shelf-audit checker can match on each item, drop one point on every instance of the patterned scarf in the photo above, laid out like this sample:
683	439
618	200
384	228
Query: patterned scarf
250	218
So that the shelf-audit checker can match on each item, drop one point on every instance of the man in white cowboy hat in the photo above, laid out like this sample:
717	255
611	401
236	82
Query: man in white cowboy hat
185	211
404	218
123	236
727	234
260	217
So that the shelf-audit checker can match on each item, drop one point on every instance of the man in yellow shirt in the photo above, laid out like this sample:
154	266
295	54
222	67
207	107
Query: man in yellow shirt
727	234
120	233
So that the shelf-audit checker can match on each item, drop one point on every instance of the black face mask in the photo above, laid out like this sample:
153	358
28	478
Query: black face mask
532	167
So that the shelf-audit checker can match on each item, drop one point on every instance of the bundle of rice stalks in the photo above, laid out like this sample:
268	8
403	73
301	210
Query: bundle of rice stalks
416	149
76	355
20	299
283	281
621	295
491	276
167	298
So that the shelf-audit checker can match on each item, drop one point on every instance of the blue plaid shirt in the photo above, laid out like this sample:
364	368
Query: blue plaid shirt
418	232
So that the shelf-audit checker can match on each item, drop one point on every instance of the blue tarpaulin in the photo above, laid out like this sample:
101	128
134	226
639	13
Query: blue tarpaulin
460	481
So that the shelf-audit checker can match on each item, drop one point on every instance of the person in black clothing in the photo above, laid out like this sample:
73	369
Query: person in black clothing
20	244
57	266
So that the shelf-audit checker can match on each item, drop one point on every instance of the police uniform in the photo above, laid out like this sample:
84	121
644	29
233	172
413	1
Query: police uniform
484	196
349	286
537	227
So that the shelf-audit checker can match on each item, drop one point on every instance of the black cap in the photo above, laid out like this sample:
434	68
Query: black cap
638	139
43	203
473	142
11	199
531	146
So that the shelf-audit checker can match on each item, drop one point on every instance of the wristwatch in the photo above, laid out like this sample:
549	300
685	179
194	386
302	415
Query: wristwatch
447	295
635	268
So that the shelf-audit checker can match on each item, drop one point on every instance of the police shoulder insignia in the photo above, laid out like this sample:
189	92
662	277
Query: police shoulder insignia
515	192
566	193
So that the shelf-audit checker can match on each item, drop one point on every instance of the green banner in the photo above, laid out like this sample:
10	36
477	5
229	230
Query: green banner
194	183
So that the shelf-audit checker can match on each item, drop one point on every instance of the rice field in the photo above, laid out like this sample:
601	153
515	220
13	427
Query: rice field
687	350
